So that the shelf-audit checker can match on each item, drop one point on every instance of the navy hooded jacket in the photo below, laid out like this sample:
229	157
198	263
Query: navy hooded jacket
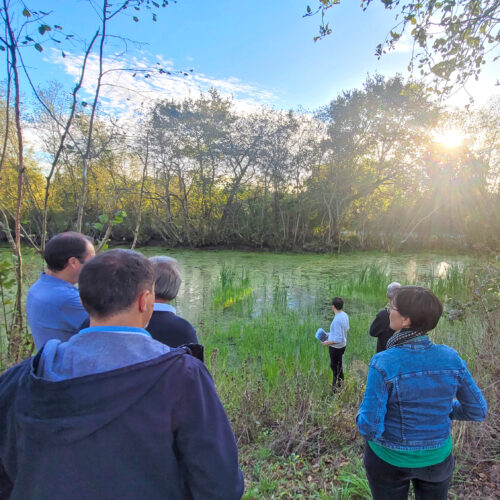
152	430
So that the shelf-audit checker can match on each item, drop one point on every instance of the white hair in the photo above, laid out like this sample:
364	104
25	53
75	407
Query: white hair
167	277
391	289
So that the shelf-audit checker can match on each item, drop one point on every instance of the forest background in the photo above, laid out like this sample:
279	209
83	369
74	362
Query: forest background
386	166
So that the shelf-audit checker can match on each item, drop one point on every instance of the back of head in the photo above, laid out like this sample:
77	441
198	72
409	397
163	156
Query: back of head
167	277
392	288
62	247
420	305
338	303
113	280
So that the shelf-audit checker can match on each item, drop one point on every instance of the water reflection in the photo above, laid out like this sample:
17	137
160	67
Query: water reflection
293	280
442	269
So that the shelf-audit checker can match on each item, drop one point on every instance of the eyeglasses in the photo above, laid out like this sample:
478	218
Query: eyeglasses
392	308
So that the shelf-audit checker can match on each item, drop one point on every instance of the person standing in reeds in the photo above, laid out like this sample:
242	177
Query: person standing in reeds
337	340
380	328
413	392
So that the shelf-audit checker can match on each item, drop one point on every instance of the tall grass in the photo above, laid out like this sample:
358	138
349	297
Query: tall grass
231	290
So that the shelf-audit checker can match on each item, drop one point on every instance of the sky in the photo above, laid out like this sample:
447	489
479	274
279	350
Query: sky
258	52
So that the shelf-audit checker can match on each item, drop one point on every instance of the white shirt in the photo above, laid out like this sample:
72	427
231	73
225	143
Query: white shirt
339	329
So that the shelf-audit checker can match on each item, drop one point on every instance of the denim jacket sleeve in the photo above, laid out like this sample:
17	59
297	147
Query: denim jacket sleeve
470	403
371	413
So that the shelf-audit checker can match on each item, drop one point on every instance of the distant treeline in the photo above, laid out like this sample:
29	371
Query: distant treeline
363	172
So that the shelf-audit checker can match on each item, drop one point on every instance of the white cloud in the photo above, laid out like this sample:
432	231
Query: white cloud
132	83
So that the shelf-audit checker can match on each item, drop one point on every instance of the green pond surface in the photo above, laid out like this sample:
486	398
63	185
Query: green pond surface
305	278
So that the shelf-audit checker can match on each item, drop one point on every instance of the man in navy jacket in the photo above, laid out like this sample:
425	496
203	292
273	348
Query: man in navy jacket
112	413
164	325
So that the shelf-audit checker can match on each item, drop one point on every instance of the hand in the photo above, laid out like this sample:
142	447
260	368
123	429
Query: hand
325	343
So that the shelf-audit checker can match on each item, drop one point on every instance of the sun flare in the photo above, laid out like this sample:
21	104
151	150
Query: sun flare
450	139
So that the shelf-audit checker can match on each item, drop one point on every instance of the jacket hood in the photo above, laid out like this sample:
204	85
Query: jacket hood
69	410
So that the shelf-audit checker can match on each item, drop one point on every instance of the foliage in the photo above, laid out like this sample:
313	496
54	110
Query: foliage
452	38
363	173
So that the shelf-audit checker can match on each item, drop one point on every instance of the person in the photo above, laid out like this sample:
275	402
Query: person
165	326
53	306
112	413
413	392
380	327
336	342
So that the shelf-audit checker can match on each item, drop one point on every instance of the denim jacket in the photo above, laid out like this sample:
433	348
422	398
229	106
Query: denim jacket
413	391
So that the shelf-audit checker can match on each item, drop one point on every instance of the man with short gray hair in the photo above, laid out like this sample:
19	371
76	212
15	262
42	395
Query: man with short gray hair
165	326
380	327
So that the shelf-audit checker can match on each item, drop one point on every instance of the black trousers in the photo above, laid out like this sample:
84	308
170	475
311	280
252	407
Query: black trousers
388	482
336	365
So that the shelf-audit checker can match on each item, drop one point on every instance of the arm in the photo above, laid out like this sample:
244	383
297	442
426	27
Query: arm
205	440
380	323
470	403
371	413
74	313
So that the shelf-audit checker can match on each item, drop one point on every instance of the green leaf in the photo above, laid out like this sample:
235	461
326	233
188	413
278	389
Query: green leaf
136	19
44	28
26	12
98	226
103	218
38	47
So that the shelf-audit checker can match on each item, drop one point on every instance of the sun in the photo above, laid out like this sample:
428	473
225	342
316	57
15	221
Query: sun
450	139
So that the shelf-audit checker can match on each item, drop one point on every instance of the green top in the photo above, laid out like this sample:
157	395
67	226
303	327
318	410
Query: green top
412	459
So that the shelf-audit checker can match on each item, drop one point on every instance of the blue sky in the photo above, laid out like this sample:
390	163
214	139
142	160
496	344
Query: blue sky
259	51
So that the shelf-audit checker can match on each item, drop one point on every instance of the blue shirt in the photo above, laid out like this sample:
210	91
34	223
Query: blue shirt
54	310
413	391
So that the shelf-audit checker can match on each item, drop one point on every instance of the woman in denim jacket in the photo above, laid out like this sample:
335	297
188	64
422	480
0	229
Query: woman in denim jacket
414	390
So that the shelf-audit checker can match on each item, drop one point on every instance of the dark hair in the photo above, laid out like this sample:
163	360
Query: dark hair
112	281
420	305
62	247
338	303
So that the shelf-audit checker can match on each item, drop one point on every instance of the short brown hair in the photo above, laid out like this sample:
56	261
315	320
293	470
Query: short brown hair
420	305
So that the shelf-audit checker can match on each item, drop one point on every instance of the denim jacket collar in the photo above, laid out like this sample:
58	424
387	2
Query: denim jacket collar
421	342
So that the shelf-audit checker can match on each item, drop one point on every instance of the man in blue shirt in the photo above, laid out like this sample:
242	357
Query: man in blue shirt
53	305
112	413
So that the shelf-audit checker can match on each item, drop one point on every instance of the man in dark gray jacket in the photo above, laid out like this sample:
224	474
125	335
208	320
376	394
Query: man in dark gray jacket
380	327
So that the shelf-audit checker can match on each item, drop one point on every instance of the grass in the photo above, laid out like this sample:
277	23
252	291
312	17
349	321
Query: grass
274	380
273	376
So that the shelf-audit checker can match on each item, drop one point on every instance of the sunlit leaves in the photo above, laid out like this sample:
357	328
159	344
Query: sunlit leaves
453	36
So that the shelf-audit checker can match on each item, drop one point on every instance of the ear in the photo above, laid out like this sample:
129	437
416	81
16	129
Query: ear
144	299
406	322
72	262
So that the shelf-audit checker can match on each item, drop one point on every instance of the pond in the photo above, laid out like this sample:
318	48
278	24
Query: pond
307	278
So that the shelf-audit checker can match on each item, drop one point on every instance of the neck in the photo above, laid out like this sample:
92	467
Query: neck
62	275
120	320
161	301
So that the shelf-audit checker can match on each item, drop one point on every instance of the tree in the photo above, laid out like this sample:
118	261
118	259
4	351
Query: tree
451	38
374	136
